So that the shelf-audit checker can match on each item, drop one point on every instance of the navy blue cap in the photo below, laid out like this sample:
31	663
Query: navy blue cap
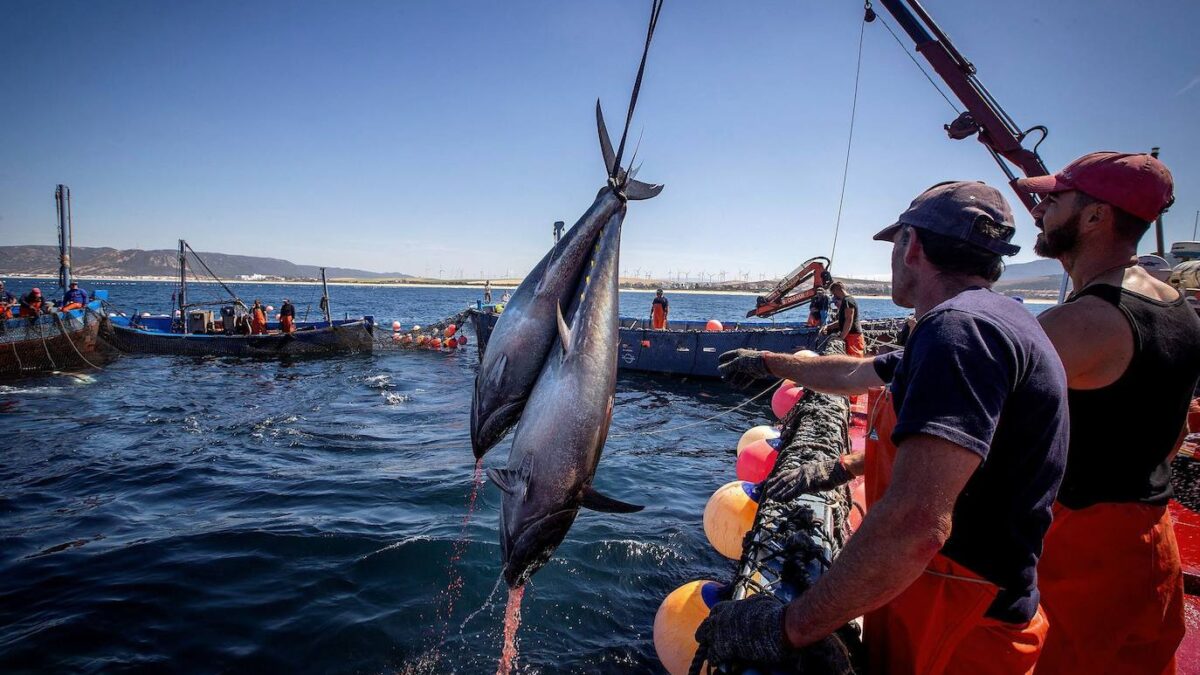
954	208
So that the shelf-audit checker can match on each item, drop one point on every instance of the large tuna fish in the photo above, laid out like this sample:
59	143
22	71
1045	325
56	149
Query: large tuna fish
562	432
522	337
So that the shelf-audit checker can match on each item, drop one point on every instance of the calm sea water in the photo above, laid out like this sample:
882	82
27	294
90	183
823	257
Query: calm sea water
206	514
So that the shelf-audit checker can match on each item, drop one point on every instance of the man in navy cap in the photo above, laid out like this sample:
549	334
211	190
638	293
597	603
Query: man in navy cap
970	450
1111	573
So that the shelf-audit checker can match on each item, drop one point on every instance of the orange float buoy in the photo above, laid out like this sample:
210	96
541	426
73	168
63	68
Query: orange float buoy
729	515
451	330
714	325
422	340
754	464
677	619
435	343
406	339
785	398
756	434
450	343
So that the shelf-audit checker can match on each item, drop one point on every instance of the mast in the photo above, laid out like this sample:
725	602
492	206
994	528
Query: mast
182	278
62	200
325	298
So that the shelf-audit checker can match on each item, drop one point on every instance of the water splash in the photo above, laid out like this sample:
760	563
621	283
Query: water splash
512	620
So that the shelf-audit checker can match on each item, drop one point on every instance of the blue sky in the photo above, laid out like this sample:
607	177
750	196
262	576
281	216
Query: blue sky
424	136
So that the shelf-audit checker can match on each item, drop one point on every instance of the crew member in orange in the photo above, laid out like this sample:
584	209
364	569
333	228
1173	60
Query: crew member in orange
7	300
847	326
1110	573
659	308
287	316
258	318
944	563
32	303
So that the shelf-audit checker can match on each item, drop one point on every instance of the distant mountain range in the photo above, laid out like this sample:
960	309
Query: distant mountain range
88	261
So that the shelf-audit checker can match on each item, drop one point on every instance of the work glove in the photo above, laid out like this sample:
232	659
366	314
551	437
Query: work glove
807	479
742	367
749	630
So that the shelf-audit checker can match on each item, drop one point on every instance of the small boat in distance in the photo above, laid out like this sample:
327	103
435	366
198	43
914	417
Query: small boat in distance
196	331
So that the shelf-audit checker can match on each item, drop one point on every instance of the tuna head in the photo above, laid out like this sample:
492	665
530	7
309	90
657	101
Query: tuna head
521	340
563	429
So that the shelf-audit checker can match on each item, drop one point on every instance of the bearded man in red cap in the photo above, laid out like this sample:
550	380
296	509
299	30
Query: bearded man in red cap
1110	573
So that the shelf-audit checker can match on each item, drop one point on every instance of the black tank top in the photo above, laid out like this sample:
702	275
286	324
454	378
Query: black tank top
1122	434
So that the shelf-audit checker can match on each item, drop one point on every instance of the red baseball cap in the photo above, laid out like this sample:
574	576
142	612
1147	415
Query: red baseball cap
1135	183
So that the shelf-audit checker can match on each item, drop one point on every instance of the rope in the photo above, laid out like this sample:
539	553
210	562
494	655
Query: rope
862	31
703	421
655	8
214	276
42	335
919	66
62	326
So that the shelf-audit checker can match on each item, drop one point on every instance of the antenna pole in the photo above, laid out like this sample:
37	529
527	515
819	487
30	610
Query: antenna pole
1158	224
182	279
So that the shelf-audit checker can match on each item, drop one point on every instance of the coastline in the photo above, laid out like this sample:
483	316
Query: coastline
499	284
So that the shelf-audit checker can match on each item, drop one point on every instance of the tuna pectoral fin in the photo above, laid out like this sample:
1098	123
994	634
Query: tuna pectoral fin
564	333
505	479
597	502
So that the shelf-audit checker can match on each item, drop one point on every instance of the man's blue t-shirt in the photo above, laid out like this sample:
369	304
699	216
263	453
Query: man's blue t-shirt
980	372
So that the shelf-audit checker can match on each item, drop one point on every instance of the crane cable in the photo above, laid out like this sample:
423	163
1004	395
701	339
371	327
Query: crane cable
837	226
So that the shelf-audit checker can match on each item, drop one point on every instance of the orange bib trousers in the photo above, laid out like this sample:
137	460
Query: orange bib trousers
937	625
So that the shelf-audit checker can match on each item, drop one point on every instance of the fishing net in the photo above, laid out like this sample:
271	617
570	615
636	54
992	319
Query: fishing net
59	341
422	335
793	543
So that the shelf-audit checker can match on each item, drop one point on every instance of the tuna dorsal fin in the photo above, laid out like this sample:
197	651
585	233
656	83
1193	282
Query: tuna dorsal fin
597	502
564	333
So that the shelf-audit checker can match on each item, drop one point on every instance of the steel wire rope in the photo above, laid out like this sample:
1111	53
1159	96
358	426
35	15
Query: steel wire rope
918	64
739	406
837	226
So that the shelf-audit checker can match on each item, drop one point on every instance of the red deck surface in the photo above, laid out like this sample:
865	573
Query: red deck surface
1187	532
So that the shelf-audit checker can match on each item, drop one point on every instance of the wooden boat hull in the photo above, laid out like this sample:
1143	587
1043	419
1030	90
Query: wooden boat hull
315	339
53	342
685	348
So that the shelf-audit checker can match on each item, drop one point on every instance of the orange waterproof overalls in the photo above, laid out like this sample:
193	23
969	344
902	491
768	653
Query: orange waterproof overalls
937	625
258	321
658	316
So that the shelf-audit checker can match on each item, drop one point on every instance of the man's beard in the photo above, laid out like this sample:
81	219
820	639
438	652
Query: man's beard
1060	242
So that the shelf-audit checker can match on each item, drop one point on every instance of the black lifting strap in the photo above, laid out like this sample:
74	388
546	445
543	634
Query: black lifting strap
655	8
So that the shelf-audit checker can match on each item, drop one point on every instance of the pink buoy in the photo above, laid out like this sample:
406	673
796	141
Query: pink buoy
450	343
785	398
757	460
462	340
714	325
396	326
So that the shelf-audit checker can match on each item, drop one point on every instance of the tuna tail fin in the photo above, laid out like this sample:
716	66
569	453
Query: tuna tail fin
597	502
632	189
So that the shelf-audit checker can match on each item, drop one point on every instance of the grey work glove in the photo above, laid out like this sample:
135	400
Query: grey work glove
742	367
749	630
807	479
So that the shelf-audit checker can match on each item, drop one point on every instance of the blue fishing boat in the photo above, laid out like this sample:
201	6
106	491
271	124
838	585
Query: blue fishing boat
55	341
195	331
684	347
158	335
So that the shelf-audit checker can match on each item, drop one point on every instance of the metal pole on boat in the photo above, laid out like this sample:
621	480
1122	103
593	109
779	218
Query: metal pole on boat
325	298
62	199
1158	224
182	279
